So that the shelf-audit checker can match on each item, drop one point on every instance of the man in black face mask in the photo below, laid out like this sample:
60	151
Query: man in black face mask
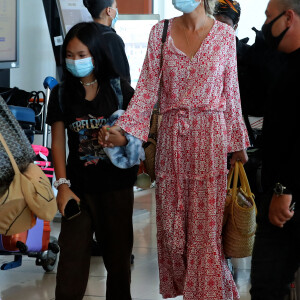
276	254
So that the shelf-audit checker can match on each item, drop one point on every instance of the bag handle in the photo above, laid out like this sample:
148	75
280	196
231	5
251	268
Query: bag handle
239	173
156	109
163	40
236	173
233	175
244	180
11	158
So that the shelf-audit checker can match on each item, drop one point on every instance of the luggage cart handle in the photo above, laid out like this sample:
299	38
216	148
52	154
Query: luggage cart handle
49	84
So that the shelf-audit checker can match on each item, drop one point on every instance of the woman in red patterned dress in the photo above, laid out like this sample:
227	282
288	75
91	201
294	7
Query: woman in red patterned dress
202	122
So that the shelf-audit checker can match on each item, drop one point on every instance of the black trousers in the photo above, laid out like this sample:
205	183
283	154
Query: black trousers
276	255
109	215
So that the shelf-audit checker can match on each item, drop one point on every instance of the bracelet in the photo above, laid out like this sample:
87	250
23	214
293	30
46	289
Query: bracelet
61	181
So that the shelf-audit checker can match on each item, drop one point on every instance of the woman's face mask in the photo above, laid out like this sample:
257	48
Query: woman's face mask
80	67
271	40
186	6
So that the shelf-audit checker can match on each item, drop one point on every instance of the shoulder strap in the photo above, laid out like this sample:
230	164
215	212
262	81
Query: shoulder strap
163	40
11	157
164	36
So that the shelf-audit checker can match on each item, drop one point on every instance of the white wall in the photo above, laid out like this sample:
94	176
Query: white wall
36	54
253	15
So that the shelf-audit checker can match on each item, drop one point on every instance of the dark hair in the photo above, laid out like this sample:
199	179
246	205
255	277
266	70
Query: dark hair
95	7
290	4
89	34
229	8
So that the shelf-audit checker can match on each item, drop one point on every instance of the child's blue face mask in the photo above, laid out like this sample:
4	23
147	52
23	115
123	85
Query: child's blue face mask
186	6
80	67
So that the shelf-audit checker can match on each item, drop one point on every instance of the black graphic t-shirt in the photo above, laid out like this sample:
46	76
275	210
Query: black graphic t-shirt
87	128
88	167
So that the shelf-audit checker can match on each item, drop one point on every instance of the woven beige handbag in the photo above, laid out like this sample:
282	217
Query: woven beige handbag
239	223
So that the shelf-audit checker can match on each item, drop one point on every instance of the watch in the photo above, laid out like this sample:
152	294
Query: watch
279	189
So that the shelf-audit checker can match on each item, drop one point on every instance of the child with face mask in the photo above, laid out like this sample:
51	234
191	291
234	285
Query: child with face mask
82	104
105	14
201	123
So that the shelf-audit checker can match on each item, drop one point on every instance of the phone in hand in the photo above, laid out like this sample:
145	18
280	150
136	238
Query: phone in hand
292	206
72	209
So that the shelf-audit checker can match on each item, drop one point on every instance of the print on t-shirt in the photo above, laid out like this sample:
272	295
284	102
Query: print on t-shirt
88	127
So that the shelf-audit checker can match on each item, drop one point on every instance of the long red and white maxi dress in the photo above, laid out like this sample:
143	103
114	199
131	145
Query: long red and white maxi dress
202	122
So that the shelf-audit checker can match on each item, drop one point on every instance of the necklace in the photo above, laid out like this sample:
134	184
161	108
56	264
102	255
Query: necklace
199	35
88	83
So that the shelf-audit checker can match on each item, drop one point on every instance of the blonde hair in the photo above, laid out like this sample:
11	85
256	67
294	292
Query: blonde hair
209	6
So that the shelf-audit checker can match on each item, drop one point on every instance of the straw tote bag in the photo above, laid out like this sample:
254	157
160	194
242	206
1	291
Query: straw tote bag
28	196
239	224
150	145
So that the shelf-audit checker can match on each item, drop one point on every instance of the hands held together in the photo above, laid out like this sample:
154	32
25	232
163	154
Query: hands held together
111	137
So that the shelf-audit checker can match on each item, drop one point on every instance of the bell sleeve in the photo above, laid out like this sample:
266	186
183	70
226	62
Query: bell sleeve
237	136
136	119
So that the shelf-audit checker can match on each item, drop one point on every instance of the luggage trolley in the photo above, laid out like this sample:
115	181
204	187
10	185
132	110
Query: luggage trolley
37	241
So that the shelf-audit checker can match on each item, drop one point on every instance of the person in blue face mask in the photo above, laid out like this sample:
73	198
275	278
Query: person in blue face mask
89	94
201	123
105	13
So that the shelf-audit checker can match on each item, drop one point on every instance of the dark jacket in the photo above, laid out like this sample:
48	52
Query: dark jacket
259	67
115	51
281	129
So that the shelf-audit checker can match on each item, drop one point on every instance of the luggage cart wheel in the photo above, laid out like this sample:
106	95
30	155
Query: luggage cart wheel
49	257
53	247
22	247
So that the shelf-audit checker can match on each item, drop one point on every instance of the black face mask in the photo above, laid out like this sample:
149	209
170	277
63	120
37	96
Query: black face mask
271	40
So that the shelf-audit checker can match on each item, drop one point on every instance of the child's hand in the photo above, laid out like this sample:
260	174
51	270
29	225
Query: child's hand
63	196
111	137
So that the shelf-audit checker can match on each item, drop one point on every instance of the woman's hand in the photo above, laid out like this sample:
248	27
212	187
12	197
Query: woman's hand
64	195
111	137
239	156
279	211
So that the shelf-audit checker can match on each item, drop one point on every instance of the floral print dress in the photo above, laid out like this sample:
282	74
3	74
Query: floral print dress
201	123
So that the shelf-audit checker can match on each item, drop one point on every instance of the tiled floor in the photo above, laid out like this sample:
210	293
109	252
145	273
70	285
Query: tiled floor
30	282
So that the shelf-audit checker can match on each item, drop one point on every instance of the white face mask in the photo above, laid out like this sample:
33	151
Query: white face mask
186	6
